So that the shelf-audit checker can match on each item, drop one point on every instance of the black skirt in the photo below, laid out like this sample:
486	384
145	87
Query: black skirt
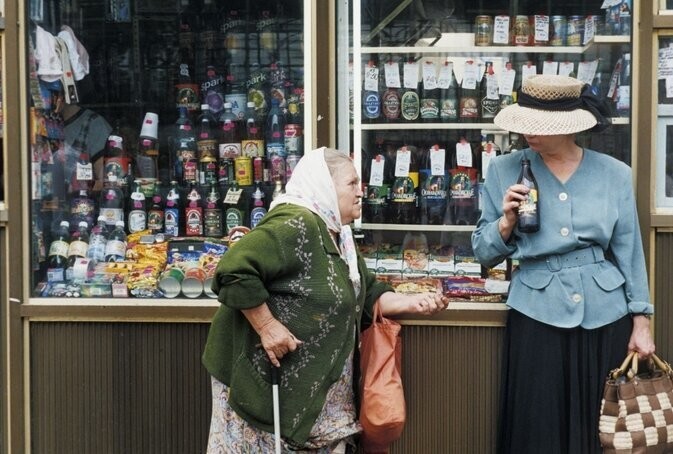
552	384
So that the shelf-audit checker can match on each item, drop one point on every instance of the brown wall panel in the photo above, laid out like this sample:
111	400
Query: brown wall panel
663	291
118	388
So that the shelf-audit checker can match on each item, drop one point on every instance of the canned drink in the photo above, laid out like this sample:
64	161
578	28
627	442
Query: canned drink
558	28
290	163
208	284
521	33
243	170
170	282
277	168
225	171
575	30
483	31
192	284
252	148
598	22
539	21
258	168
293	139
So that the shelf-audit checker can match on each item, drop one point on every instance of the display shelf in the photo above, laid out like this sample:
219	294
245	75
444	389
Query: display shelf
488	128
417	227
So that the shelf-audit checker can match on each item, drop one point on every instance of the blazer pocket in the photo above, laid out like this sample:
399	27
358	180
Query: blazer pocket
537	280
609	279
250	392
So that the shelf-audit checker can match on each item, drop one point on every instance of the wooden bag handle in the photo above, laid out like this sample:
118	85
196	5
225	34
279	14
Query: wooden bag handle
629	367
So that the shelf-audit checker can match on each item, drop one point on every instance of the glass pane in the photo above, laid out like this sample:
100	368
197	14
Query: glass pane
664	154
151	113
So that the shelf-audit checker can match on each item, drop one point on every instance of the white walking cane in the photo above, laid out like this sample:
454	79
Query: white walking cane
276	407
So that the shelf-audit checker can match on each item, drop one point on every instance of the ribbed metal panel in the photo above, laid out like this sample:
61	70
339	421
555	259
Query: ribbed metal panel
118	388
452	380
663	291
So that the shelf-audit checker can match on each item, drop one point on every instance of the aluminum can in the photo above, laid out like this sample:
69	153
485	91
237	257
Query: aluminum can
243	170
575	30
290	163
277	168
258	168
170	282
558	29
208	283
293	139
192	284
533	28
483	31
521	31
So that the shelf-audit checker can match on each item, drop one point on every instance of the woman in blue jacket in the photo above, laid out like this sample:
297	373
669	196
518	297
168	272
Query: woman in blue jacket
579	300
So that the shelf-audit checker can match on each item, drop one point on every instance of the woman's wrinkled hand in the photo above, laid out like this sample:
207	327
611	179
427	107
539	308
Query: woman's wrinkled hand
641	337
426	303
277	341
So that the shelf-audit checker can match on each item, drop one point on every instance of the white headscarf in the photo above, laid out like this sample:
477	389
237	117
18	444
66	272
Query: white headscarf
311	186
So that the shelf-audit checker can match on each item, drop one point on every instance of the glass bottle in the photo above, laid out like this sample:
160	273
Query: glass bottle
449	103
212	213
97	241
410	102
156	211
404	195
173	211
371	98
235	212
206	144
529	208
112	202
434	186
115	248
229	137
258	210
82	208
137	215
463	202
186	88
79	246
391	100
429	102
252	143
489	151
147	159
193	213
57	258
116	160
490	100
275	127
377	172
469	94
212	88
184	152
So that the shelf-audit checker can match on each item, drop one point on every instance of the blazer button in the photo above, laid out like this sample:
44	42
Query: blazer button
563	197
577	297
565	231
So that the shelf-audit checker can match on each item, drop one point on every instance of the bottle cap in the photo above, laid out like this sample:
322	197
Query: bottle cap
227	105
150	126
205	106
119	223
84	224
251	104
65	224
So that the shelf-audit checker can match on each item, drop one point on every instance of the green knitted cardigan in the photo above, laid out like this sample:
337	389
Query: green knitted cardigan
290	262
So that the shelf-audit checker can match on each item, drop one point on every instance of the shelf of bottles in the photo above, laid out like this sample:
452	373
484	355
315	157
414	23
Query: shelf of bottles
184	169
422	115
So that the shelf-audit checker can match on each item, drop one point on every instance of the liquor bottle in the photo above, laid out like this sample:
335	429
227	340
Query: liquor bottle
137	215
188	24
623	95
514	143
57	258
277	84
184	148
193	213
79	247
391	100
235	92
404	194
112	202
529	208
252	143
469	94
235	212
147	160
258	210
212	213
233	29
115	248
277	189
212	88
295	106
449	103
489	151
209	25
97	241
410	102
490	100
376	184
256	84
116	160
434	186
371	98
267	36
206	144
82	208
186	89
463	181
229	137
156	211
508	98
82	177
429	110
173	211
275	127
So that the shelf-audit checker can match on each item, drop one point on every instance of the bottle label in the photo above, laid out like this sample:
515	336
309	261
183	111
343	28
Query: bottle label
238	102
462	185
469	107
377	195
116	248
233	218
58	247
171	222
256	216
391	104
117	166
55	275
449	109
212	221
78	248
371	105
230	150
137	221
410	105
207	149
81	209
403	190
193	221
528	206
489	107
276	148
96	249
190	171
112	215
187	96
252	148
434	188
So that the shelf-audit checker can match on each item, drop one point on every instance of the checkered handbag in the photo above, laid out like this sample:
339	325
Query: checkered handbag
636	413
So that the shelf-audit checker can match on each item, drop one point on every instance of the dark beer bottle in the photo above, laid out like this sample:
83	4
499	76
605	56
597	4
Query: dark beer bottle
410	103
391	100
529	208
376	185
463	185
371	98
429	103
434	186
212	213
156	212
449	103
490	100
173	211
404	194
193	213
469	94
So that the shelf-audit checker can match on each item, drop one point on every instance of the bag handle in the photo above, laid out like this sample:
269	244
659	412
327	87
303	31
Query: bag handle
629	367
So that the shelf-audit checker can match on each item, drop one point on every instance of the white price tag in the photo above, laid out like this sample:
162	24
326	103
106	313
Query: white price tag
411	75
84	172
376	174
445	74
589	29
437	160
402	162
392	74
586	71
501	30
486	156
541	29
527	70
233	196
669	87
506	81
371	78
429	76
470	75
550	67
566	68
464	154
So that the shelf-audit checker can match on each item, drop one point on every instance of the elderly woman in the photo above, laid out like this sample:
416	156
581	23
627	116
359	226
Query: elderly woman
294	293
579	300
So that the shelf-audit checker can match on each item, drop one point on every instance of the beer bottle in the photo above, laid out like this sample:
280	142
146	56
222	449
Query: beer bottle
82	208
229	140
235	93
212	89
490	100
235	212
156	213
529	208
193	213
137	215
469	94
116	160
377	185
434	186
147	160
371	98
186	89
277	189
258	210
57	258
233	29
111	202
184	151
173	211
410	103
489	151
206	144
79	246
212	213
507	81
404	196
390	100
115	248
275	127
97	241
448	109
252	143
463	185
429	102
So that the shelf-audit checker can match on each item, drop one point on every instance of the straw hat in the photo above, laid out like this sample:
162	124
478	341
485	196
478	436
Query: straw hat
548	105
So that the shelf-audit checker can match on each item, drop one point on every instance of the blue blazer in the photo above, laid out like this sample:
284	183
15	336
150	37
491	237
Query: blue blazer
594	209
